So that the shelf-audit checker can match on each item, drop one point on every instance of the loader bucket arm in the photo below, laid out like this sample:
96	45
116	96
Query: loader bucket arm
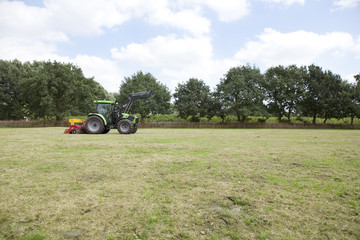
135	96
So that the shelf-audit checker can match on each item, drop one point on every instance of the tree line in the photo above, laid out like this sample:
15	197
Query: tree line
44	90
47	90
281	91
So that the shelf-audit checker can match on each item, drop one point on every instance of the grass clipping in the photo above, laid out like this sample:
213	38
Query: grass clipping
180	184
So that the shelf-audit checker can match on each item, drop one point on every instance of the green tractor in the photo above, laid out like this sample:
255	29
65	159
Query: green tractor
109	115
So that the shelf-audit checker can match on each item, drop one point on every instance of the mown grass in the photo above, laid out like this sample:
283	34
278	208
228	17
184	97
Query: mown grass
180	184
175	118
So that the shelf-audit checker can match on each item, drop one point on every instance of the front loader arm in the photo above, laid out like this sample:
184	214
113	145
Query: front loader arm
135	96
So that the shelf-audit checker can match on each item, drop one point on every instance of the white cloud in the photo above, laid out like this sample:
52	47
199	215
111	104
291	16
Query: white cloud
300	47
177	58
83	17
351	77
227	10
357	47
174	59
188	14
166	50
188	19
287	2
89	17
58	21
18	20
61	18
26	49
33	33
104	71
342	4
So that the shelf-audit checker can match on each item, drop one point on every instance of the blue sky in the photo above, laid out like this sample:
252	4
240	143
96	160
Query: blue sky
179	39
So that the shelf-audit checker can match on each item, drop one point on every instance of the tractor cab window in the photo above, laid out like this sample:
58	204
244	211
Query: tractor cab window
103	109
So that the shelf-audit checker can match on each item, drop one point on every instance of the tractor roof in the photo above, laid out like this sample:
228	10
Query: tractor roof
104	102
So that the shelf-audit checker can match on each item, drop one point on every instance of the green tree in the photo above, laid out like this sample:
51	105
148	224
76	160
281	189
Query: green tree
61	87
158	104
192	99
350	101
242	92
53	89
312	99
34	92
10	103
217	106
356	96
322	95
87	90
333	94
283	89
357	78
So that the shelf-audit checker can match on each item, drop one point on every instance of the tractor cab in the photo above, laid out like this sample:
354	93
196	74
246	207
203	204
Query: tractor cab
106	109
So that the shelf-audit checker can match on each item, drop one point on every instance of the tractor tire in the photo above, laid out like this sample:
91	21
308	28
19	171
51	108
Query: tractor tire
94	125
135	128
106	131
125	126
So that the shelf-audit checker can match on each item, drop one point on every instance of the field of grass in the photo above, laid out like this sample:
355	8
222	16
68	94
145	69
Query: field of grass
180	184
175	118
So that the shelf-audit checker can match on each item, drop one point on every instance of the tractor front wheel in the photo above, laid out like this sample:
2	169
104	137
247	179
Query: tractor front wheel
135	128
106	131
125	126
94	125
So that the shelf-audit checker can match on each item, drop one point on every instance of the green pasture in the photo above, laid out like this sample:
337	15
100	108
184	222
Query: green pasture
180	184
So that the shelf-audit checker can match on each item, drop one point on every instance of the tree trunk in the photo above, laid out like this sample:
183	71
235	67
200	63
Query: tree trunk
238	117
314	119
223	118
142	117
289	116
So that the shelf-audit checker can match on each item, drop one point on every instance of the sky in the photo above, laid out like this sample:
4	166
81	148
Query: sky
175	40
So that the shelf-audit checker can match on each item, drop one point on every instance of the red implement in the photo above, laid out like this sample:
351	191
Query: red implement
77	126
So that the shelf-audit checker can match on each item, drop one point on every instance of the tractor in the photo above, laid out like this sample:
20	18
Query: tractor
109	115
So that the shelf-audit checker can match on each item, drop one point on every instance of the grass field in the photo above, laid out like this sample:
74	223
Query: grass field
180	184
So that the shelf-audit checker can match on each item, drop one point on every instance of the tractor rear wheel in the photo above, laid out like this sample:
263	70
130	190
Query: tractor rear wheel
94	125
125	126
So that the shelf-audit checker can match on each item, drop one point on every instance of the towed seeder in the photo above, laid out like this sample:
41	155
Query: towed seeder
76	126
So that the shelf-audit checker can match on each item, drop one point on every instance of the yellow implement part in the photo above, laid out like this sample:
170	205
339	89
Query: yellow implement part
74	120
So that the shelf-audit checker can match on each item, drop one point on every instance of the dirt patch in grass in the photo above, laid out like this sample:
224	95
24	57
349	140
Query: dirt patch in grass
180	184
